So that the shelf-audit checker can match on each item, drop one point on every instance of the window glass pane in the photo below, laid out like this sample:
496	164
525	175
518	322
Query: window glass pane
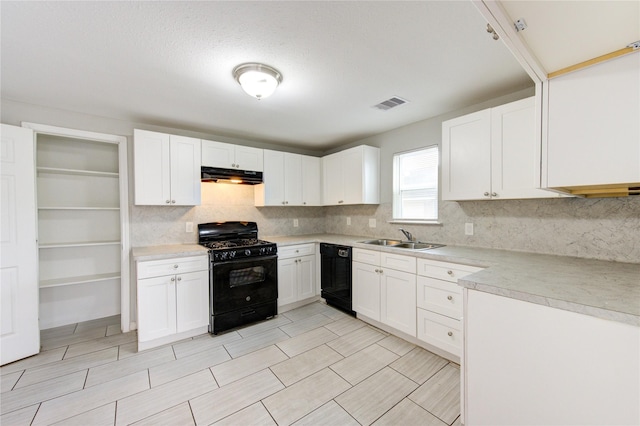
415	192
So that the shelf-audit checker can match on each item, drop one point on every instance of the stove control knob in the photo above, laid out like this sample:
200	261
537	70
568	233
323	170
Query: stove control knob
247	252
248	298
232	254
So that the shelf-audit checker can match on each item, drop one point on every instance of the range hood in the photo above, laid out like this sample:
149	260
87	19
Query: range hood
216	174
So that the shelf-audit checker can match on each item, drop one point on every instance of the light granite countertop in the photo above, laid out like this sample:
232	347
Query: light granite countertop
608	290
603	289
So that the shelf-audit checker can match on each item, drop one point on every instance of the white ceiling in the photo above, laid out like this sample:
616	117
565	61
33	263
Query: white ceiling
170	63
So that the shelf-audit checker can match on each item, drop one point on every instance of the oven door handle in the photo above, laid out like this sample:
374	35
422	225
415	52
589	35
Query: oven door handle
245	259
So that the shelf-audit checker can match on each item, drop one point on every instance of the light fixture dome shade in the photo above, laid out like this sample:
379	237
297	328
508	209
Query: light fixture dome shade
257	80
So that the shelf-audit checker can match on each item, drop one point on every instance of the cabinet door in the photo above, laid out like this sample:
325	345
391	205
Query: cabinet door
306	277
272	190
466	157
353	183
218	154
287	281
398	300
152	163
292	179
515	152
311	181
156	307
185	171
192	300
593	132
248	158
366	290
333	179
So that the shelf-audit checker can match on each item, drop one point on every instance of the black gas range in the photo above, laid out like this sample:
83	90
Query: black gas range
243	274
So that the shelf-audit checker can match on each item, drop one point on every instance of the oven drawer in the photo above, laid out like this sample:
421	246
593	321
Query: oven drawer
173	266
439	296
444	270
440	331
296	251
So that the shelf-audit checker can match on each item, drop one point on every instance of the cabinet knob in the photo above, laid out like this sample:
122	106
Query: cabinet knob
340	202
179	278
450	272
449	297
304	202
173	201
233	165
450	333
486	194
494	194
297	251
168	201
173	278
381	271
283	203
377	271
175	266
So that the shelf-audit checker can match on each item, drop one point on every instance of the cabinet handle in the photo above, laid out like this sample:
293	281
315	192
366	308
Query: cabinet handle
173	201
179	278
450	333
486	194
304	202
381	271
233	164
168	202
286	202
297	251
173	279
449	297
377	271
340	202
283	203
450	272
175	266
494	194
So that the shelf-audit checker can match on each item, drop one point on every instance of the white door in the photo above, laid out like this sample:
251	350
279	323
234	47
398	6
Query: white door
20	333
273	178
398	300
466	157
287	285
156	307
192	300
185	171
152	162
293	179
366	290
333	180
248	158
311	181
218	154
306	277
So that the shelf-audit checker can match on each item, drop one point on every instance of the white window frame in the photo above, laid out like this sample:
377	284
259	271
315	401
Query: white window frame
397	213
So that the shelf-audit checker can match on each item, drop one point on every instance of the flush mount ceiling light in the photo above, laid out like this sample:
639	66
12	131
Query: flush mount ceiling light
258	80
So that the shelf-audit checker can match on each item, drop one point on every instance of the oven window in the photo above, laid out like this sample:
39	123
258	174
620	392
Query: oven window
246	276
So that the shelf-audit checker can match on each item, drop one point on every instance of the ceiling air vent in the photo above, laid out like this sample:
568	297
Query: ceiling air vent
390	103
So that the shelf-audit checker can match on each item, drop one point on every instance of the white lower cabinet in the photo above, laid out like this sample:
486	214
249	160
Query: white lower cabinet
173	299
384	288
439	304
296	274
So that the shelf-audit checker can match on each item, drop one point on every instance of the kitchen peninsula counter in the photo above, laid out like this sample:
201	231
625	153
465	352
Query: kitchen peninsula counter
603	289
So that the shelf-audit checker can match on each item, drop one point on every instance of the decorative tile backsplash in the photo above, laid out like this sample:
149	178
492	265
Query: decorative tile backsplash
603	228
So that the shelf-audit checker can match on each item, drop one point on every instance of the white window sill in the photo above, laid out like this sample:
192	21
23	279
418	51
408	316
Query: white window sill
415	222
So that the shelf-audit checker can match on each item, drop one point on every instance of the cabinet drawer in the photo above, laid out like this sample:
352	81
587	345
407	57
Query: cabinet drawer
366	256
440	331
440	296
176	265
295	251
444	270
398	262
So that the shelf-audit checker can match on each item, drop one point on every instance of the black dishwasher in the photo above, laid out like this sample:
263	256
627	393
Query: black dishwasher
336	276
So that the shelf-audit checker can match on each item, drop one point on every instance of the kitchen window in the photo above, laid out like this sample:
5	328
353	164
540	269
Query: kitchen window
415	185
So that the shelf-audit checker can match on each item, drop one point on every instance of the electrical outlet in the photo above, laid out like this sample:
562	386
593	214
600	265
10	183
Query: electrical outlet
295	223
189	227
372	222
468	228
348	221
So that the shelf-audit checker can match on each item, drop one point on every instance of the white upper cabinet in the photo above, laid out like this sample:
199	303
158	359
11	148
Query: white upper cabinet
289	180
229	156
492	154
352	176
166	169
593	137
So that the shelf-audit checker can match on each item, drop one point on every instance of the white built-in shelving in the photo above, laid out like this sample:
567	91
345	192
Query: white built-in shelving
81	240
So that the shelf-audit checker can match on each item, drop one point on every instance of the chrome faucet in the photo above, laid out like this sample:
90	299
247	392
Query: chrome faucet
407	234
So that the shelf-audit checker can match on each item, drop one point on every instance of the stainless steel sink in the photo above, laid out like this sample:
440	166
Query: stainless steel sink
382	242
418	246
410	245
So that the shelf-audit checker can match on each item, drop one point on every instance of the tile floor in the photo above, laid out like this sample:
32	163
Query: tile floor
309	366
